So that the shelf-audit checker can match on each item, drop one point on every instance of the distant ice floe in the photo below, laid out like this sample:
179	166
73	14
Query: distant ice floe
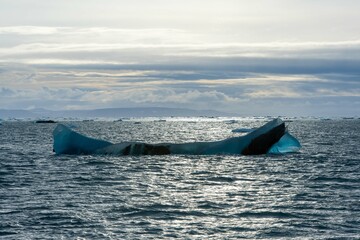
270	138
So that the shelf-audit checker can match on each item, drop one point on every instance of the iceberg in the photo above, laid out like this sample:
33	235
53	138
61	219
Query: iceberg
270	138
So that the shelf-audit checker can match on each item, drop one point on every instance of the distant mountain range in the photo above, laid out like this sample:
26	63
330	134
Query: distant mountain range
110	113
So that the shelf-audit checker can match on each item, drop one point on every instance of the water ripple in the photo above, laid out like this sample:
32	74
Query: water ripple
314	194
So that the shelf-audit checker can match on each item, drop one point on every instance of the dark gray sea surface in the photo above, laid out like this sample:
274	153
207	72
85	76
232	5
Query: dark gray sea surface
313	194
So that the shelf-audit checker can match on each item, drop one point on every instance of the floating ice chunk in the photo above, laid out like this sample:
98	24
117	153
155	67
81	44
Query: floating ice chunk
259	141
230	121
286	144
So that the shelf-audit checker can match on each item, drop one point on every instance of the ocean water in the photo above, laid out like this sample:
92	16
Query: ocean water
313	194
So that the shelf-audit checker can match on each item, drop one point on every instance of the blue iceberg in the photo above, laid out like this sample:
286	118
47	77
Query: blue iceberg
270	138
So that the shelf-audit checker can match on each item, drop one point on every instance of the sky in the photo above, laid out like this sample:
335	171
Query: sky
261	57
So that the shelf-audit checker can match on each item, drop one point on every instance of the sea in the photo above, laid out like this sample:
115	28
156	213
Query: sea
312	194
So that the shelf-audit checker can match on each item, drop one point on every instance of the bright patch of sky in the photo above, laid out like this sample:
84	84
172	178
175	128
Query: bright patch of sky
272	57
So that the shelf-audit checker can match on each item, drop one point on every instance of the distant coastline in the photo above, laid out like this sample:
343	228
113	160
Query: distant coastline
112	113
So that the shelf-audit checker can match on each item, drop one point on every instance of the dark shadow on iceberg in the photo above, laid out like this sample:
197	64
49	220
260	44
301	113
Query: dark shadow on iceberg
270	138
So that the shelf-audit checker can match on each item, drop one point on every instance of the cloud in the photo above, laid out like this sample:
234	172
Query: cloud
170	50
339	92
162	44
29	30
280	92
260	100
174	96
6	92
13	74
240	56
70	45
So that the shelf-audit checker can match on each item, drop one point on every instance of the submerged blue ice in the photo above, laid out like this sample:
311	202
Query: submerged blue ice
270	138
286	144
